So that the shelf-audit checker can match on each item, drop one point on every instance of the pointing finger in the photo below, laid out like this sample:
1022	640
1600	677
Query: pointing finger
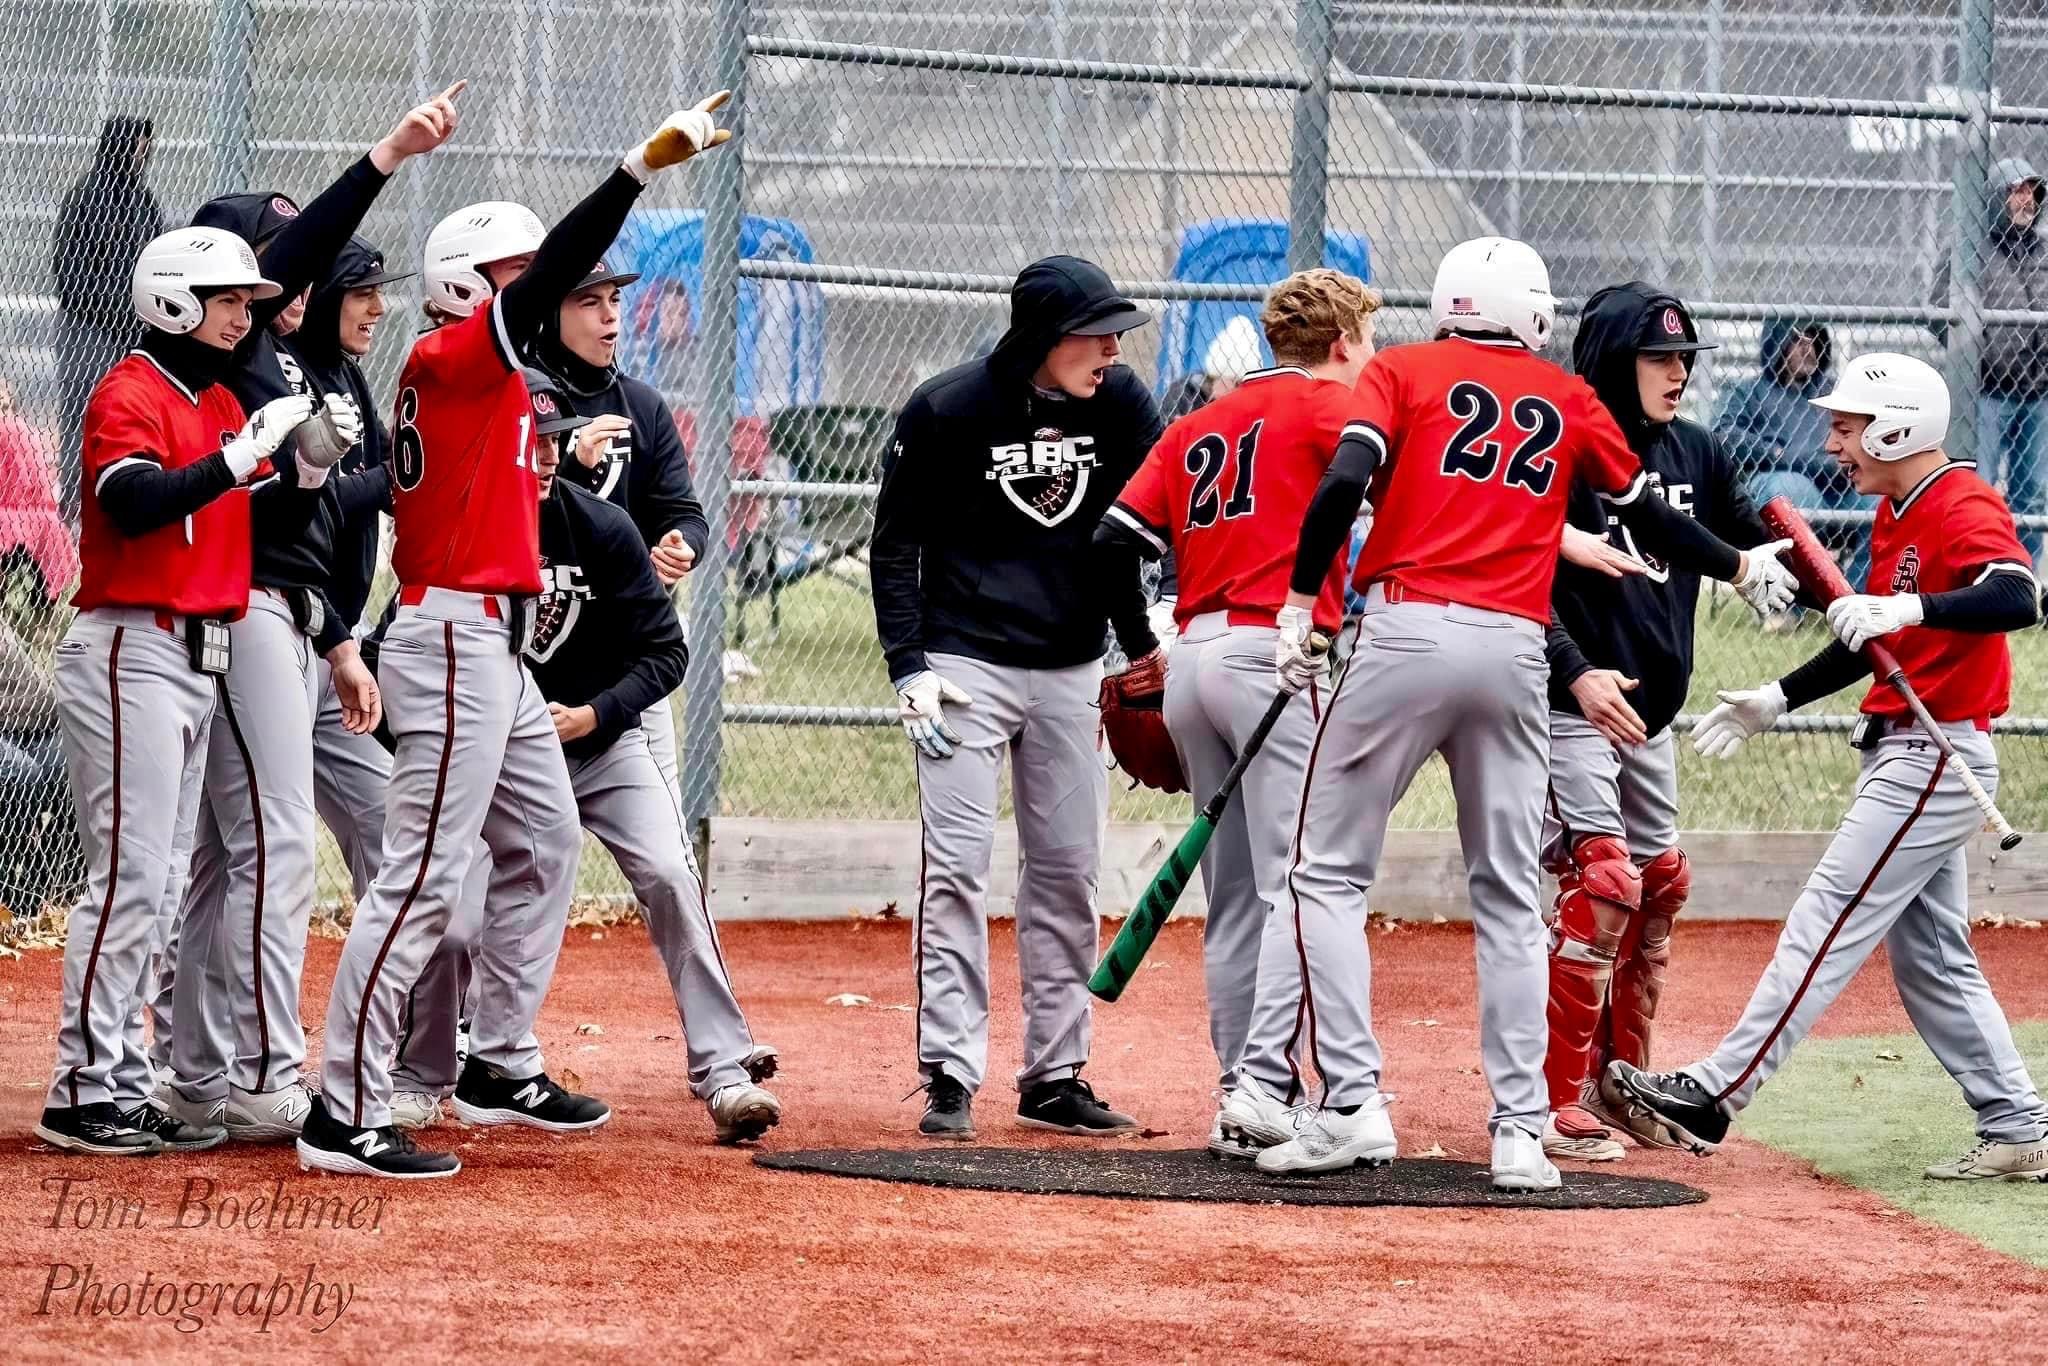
717	101
448	95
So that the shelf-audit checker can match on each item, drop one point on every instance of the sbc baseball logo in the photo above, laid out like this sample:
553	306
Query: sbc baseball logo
1906	576
563	592
1046	478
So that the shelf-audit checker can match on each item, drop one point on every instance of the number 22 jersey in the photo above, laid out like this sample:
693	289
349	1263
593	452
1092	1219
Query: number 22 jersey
1480	443
465	498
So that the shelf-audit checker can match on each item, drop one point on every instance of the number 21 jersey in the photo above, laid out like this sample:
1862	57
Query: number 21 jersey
1481	444
465	499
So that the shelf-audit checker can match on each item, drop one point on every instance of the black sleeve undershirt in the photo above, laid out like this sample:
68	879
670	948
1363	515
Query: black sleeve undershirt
1670	535
1326	529
141	498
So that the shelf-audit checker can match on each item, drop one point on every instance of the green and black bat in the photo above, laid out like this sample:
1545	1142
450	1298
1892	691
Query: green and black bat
1142	926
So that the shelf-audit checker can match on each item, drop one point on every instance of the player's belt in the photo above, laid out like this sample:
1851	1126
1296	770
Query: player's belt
309	613
455	602
1871	728
1392	591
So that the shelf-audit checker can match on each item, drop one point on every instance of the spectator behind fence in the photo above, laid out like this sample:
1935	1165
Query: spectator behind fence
40	861
1777	438
32	532
2012	405
1235	352
107	219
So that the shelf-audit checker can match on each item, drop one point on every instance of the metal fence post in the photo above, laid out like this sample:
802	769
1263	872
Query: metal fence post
1308	172
716	383
231	110
1969	216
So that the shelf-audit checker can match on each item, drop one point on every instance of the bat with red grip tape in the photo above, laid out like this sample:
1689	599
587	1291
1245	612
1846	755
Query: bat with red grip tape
1818	573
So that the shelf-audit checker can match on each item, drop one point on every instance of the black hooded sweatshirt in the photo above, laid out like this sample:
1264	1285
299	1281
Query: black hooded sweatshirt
1641	625
645	472
107	219
337	554
992	490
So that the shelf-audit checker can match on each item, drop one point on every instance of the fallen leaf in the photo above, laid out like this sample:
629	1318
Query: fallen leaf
889	912
1433	1150
1399	1284
590	1027
1891	1214
1439	920
1856	1082
1887	1055
847	998
1426	1024
570	1080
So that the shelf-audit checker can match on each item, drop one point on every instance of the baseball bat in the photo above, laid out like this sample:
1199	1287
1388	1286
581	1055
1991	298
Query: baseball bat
1817	569
1134	938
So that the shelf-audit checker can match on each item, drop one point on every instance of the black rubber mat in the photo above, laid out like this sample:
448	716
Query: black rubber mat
1192	1174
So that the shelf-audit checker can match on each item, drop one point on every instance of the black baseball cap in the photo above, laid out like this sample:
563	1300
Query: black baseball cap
1109	317
1668	328
551	411
603	274
255	218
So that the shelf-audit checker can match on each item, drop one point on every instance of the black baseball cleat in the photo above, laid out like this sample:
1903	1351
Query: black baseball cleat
1686	1110
484	1095
326	1144
100	1129
175	1134
1069	1105
948	1108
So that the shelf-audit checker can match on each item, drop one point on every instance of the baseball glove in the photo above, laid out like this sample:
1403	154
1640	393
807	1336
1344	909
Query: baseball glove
1133	725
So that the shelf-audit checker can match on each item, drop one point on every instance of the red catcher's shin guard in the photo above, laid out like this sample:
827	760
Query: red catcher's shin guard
1596	898
1644	954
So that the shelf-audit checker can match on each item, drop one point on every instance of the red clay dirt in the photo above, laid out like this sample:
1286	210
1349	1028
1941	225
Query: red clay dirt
645	1237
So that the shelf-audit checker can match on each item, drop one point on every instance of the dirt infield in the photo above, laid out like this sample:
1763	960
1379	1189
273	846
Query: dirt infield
647	1237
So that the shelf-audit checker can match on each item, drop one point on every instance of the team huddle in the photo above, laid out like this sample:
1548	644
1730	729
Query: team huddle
1529	578
1548	688
221	686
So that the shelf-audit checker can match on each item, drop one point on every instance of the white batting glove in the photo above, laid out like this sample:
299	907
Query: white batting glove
923	695
686	133
333	431
1764	584
1859	618
1302	653
265	431
1742	713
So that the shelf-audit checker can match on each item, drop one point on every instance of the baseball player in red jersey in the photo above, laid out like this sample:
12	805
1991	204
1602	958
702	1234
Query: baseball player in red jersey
1224	491
476	750
164	540
1470	444
1947	580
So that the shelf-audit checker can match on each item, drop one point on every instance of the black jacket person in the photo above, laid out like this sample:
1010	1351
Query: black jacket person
1642	625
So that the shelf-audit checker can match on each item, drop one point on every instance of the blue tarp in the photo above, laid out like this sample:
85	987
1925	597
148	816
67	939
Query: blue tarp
781	324
1235	251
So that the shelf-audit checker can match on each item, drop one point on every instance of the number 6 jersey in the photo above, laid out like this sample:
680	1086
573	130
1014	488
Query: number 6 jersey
1480	444
1225	490
465	499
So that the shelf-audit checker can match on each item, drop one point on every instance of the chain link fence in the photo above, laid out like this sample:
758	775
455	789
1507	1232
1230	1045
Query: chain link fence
1819	179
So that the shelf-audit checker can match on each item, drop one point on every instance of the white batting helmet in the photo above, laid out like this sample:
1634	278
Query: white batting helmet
466	241
173	268
1495	284
1905	399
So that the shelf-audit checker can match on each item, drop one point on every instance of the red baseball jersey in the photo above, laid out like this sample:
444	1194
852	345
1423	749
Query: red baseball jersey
197	566
1481	445
1949	533
1226	489
464	495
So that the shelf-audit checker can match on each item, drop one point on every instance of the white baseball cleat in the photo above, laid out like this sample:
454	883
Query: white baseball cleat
267	1116
743	1111
1990	1160
1574	1135
1519	1163
415	1109
1329	1141
202	1114
1251	1118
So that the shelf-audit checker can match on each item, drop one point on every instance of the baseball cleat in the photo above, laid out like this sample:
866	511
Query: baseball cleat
1250	1119
948	1108
484	1095
1518	1162
1069	1105
267	1116
328	1145
100	1129
742	1112
415	1109
204	1114
1574	1135
761	1062
176	1134
1331	1141
1686	1114
1991	1160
